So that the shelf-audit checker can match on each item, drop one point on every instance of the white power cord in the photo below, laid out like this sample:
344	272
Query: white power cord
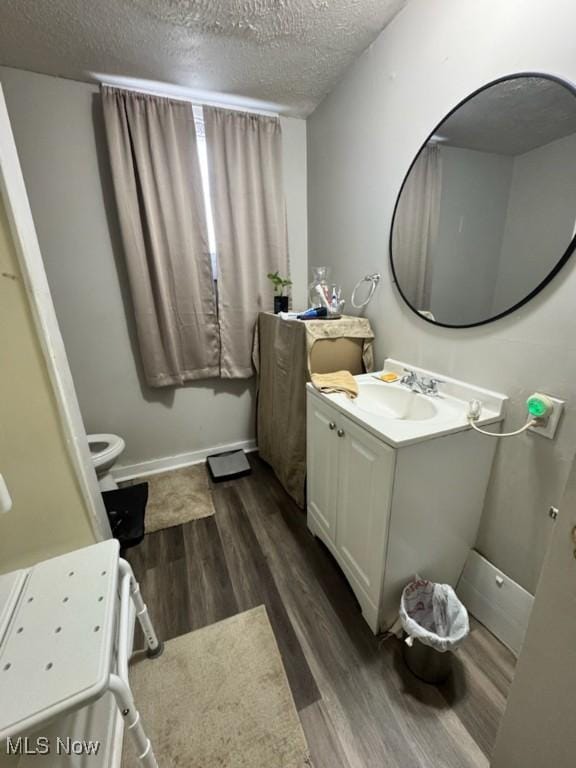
531	423
474	410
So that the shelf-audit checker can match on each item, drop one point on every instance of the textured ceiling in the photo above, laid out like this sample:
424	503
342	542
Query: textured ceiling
288	53
513	117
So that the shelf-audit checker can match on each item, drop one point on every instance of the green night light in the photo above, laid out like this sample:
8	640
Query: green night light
538	407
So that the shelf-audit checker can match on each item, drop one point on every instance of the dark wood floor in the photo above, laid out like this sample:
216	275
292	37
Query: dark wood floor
359	706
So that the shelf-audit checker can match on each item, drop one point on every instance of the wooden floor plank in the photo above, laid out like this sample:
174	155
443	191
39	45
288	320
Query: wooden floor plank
349	664
209	587
472	694
336	661
325	746
359	705
484	650
253	585
165	591
157	549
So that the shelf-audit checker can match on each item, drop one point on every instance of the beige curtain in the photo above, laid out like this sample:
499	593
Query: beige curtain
416	228
245	161
156	175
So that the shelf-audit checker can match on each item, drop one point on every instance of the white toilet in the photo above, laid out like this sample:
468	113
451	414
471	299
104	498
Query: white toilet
105	450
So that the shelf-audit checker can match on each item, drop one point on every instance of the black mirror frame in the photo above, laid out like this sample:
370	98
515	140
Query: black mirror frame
560	263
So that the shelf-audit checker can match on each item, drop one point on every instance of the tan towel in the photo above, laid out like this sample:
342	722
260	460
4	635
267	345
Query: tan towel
340	381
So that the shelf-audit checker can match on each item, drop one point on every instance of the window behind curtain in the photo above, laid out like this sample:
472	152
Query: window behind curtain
203	158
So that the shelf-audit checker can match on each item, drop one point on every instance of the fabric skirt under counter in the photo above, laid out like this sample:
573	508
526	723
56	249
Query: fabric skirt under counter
286	352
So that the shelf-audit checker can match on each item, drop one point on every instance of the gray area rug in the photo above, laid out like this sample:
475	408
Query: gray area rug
219	698
177	497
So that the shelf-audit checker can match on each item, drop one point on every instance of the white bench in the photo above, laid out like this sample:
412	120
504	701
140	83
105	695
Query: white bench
64	643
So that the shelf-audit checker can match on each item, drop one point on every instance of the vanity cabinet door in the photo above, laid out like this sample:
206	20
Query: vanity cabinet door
366	481
323	459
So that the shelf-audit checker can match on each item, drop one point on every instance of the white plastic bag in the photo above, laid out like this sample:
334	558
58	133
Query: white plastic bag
432	614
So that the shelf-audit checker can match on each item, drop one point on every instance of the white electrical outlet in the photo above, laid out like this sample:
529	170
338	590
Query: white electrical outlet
549	429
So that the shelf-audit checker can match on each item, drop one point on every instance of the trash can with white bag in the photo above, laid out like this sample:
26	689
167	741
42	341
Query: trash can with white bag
435	623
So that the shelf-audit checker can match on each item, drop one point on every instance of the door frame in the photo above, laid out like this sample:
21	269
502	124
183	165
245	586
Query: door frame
15	199
538	724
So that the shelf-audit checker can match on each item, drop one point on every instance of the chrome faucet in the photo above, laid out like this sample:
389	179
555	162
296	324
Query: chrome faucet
421	384
410	380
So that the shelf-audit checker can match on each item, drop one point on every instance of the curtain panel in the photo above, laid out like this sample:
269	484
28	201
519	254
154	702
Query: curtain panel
247	191
416	227
157	183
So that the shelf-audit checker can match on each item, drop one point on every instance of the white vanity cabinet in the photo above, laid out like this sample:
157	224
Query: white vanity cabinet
350	477
387	513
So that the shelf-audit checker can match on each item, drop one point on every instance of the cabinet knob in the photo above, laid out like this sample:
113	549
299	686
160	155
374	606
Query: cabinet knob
340	433
331	425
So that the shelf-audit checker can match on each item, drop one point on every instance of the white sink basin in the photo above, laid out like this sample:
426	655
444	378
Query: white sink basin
395	414
393	402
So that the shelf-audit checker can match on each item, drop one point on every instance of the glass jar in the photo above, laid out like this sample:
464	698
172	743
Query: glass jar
319	283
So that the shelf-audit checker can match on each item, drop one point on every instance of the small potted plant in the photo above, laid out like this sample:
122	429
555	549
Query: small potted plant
279	283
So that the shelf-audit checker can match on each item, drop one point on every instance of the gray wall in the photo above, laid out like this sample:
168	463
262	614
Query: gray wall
540	218
59	134
361	141
465	256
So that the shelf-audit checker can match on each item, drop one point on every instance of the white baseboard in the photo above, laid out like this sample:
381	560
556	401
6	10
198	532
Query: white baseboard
502	605
165	464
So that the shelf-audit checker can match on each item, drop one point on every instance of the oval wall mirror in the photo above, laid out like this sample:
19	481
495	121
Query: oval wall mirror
486	214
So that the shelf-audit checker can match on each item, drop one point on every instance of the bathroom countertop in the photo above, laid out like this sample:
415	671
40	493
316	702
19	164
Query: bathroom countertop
451	405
